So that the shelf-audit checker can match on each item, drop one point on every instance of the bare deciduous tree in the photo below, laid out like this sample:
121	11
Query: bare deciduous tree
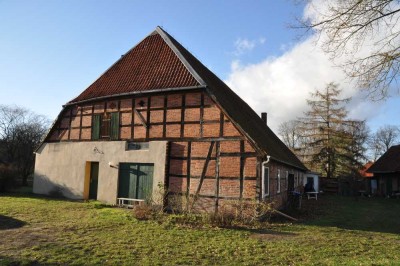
20	133
385	137
289	132
366	33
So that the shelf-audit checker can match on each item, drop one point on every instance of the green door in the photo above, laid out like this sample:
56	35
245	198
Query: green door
135	180
94	180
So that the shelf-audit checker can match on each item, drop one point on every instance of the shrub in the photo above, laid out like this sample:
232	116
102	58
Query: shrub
143	211
7	177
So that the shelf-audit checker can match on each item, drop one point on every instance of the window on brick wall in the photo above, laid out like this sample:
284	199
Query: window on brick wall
278	178
265	179
105	126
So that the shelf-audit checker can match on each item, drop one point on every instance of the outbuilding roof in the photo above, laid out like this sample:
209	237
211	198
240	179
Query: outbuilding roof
389	162
159	62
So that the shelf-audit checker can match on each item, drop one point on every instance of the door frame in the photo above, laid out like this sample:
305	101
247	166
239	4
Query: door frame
88	172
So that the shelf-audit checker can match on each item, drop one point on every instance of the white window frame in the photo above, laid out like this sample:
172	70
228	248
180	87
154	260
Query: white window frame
265	192
279	181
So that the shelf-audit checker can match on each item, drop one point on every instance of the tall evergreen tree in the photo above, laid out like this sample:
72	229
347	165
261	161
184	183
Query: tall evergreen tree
332	139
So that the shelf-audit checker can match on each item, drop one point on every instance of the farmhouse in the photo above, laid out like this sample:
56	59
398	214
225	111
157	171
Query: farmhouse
158	116
386	171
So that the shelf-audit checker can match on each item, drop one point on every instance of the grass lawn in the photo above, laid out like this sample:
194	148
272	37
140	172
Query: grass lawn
347	231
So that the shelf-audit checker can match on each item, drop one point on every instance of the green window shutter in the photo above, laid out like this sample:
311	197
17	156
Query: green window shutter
96	127
114	130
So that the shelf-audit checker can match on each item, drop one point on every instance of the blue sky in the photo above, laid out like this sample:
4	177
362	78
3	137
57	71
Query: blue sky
50	51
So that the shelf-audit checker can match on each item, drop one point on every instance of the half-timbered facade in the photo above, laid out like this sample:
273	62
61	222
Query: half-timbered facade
159	116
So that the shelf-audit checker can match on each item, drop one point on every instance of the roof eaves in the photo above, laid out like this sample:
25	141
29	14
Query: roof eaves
136	93
381	172
168	41
289	164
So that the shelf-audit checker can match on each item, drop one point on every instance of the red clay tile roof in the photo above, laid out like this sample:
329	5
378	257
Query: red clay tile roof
149	65
389	162
363	171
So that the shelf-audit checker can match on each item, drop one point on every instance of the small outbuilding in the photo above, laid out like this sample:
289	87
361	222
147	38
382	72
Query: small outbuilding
386	171
312	178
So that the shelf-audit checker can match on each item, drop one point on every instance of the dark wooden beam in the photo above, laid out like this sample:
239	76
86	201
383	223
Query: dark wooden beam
203	173
167	175
221	124
165	116
119	119
217	155
259	179
133	118
241	178
201	113
213	196
141	118
148	117
183	115
189	151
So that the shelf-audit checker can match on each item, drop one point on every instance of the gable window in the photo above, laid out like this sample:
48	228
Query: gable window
278	178
265	181
105	126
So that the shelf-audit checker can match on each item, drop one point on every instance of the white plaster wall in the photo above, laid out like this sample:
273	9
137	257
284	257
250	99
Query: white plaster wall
62	165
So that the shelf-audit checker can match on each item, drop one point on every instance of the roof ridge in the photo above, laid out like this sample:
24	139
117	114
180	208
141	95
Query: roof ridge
189	67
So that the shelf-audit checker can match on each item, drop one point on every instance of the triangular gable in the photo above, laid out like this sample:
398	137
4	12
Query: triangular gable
150	65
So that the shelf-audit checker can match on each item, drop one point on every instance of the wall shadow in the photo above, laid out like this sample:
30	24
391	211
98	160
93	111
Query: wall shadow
7	222
46	187
47	190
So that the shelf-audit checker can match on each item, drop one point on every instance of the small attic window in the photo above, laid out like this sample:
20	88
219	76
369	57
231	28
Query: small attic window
135	146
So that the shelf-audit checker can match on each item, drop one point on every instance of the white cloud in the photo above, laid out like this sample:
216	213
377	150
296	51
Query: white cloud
243	45
281	85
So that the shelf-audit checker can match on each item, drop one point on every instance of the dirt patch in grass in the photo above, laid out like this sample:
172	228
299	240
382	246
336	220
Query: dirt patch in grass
25	237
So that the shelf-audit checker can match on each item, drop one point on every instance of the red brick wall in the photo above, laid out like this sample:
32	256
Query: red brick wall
180	115
190	121
236	179
279	198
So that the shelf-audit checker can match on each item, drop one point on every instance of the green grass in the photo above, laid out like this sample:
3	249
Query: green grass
346	231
